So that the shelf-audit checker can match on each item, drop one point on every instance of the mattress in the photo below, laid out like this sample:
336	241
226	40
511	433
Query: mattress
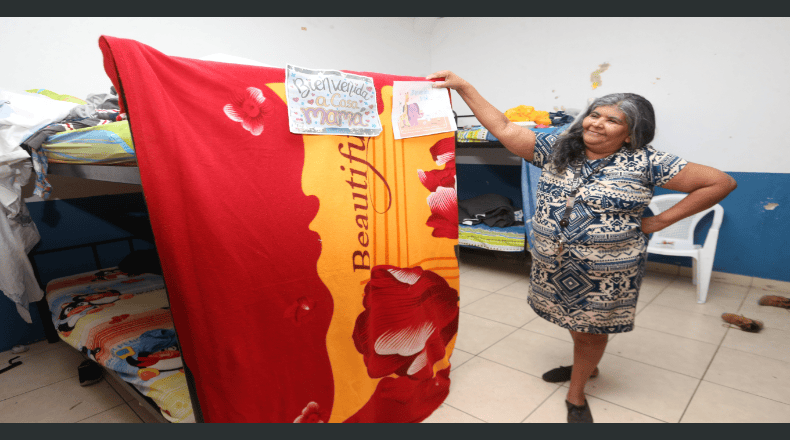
509	239
109	143
123	322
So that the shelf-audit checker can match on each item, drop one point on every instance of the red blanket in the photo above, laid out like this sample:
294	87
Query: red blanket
311	278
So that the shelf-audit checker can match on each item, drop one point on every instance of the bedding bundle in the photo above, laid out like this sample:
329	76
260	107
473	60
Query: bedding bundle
123	322
316	271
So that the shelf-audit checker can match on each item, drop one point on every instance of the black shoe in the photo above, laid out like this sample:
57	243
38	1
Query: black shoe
89	373
579	414
561	374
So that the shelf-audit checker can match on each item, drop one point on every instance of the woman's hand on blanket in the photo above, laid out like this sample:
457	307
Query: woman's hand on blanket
451	80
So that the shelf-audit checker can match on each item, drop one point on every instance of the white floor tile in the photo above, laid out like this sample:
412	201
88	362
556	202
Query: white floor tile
731	278
495	393
714	403
530	352
649	390
751	373
547	328
120	414
502	308
682	323
773	317
39	370
554	410
722	297
459	357
772	285
63	402
471	294
475	334
489	279
519	289
769	342
448	414
674	353
33	349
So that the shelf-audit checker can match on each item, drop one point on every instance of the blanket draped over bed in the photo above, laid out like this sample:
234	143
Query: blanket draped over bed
311	278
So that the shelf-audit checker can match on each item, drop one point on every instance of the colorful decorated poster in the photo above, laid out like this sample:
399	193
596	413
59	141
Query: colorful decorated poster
419	110
331	102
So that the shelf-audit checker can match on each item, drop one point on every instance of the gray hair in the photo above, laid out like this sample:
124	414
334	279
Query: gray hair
639	116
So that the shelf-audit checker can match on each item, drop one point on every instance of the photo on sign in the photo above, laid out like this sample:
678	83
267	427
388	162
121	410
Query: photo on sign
419	110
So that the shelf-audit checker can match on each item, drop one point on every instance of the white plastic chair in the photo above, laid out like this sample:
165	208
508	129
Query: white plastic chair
678	240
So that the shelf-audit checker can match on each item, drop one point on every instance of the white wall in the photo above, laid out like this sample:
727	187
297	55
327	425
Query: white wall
720	100
62	54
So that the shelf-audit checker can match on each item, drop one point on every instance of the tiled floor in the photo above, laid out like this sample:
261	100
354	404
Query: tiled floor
681	364
45	388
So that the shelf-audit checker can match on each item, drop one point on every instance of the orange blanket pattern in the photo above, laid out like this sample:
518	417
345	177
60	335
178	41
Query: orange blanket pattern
312	278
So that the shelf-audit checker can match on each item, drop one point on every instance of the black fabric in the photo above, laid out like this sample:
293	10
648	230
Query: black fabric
492	209
137	262
464	216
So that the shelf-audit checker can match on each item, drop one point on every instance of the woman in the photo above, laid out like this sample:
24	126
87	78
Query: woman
590	244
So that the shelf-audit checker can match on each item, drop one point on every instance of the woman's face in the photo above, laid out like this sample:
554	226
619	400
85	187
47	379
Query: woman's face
605	131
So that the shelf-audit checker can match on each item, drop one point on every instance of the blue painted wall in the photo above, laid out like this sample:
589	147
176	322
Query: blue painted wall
71	222
753	241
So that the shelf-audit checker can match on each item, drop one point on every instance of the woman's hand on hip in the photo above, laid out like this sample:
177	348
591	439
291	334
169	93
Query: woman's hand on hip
653	224
451	80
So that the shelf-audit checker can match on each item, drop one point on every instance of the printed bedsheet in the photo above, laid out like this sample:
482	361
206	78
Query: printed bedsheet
509	239
102	144
123	322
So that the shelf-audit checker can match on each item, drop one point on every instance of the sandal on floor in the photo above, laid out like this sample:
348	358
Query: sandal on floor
775	301
579	414
561	374
742	322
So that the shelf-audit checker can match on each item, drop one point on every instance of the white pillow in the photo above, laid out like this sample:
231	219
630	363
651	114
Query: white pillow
23	114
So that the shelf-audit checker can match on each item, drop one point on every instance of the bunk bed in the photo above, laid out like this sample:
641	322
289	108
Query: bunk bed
475	146
117	319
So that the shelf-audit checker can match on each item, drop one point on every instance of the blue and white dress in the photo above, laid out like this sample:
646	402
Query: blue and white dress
594	287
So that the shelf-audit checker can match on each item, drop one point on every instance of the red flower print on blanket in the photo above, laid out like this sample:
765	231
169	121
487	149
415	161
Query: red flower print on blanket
310	414
402	400
442	184
247	108
410	316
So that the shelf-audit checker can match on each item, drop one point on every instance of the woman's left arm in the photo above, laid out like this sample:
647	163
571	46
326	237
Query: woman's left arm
705	186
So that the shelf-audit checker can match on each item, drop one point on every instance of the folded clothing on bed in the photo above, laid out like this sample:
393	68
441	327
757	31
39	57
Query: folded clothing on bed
123	322
491	209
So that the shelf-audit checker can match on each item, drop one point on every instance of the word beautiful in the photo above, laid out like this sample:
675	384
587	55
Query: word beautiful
333	116
359	194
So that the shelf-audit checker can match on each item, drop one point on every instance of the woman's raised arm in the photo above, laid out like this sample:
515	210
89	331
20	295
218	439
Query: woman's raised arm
519	140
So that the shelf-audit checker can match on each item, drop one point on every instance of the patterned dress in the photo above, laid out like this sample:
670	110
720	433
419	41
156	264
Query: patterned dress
594	287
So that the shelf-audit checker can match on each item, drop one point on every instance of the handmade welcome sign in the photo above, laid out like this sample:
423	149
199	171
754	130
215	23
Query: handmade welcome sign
331	102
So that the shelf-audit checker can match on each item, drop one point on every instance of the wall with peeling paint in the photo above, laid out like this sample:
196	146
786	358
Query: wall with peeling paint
719	87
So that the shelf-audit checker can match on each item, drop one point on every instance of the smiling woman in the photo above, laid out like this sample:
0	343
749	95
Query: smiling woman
590	242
